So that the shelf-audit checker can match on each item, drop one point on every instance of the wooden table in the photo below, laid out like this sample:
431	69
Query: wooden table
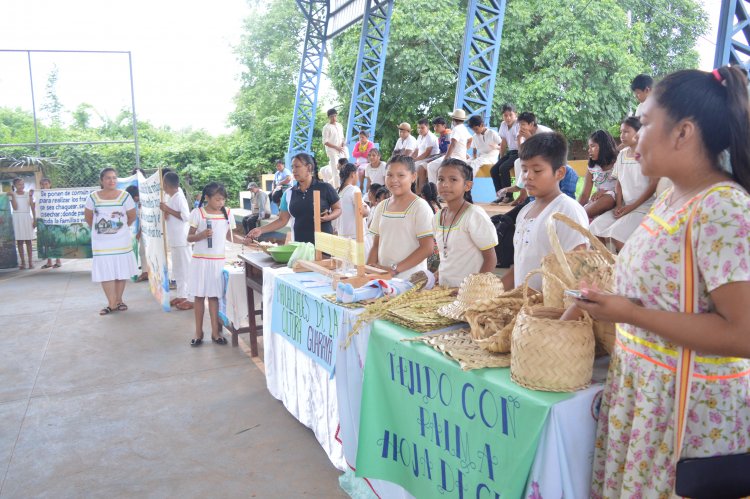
254	264
495	209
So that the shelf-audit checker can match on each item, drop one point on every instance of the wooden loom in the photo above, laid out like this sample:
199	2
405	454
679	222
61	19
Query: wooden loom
342	250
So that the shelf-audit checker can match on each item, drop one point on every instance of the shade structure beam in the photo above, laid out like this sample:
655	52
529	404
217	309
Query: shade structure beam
733	40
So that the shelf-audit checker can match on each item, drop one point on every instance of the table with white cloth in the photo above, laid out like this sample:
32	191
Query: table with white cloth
563	442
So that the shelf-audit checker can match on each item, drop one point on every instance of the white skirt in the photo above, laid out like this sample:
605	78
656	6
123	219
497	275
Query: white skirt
22	226
619	229
204	278
113	267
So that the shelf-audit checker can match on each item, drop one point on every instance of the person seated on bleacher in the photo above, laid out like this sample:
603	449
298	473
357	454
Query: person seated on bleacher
361	152
282	180
602	155
486	144
634	192
527	127
259	206
427	148
508	132
428	172
375	169
406	144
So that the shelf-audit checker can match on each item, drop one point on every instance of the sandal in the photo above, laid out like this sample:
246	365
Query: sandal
105	311
46	266
220	340
185	305
22	267
174	301
142	277
196	342
122	307
56	266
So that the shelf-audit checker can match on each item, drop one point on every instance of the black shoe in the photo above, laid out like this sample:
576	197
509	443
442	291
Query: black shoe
196	342
497	201
220	340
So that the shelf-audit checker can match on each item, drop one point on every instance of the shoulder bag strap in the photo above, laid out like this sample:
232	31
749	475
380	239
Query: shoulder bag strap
688	305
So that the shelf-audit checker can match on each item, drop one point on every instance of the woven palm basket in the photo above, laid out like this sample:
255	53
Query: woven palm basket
549	354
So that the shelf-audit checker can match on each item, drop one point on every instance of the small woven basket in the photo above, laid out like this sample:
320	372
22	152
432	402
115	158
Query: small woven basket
549	354
492	320
594	266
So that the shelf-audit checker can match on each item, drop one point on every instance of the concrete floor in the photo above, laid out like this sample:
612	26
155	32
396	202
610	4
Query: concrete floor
121	406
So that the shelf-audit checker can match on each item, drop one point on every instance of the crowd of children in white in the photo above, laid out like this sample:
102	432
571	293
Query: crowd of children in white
690	131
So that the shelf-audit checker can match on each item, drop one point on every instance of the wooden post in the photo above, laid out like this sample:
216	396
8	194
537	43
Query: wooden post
163	218
316	207
360	230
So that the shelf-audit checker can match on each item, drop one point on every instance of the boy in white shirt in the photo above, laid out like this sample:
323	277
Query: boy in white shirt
176	213
486	143
508	132
543	159
427	149
460	137
333	140
406	145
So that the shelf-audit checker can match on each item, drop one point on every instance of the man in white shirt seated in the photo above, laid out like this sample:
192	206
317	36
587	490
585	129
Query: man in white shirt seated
282	180
486	144
508	132
259	206
527	127
406	144
427	148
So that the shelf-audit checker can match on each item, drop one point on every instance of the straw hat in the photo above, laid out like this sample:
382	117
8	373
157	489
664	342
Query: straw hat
458	114
475	287
405	126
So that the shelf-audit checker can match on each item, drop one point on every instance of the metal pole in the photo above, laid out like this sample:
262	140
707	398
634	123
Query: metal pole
33	106
135	122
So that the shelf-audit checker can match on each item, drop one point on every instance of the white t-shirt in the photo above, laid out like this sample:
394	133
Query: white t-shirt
633	182
461	135
333	134
177	227
510	135
376	174
483	141
531	242
350	215
518	172
638	110
399	233
219	225
542	129
428	142
410	143
110	233
471	234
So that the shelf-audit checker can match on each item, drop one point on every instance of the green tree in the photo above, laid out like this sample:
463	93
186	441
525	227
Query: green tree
82	116
668	30
52	105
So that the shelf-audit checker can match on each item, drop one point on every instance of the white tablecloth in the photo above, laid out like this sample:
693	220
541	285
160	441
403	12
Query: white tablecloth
237	297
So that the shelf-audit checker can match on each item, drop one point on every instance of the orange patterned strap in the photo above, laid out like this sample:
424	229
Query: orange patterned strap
689	305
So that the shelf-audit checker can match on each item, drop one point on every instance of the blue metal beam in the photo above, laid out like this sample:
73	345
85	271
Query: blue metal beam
306	101
368	76
733	41
479	58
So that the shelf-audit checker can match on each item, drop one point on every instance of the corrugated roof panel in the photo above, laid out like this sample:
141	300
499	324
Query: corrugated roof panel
343	14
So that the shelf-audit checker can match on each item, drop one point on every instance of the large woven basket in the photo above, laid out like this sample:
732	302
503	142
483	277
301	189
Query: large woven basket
593	266
492	320
549	354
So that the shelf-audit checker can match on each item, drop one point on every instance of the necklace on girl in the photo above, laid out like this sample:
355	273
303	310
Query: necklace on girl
447	233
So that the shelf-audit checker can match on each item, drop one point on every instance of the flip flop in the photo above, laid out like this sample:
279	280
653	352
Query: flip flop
46	266
185	305
122	307
105	311
22	267
174	301
142	278
56	266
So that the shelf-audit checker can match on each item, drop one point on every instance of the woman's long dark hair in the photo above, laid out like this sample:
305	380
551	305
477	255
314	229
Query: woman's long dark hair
345	173
310	161
210	190
465	170
430	194
718	104
607	149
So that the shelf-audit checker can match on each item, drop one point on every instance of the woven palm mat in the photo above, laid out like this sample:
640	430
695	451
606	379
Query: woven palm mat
457	345
359	304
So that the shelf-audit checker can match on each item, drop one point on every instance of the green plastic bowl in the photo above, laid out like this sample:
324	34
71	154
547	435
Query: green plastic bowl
282	254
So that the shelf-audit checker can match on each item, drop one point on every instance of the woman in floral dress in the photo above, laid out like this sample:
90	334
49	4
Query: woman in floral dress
690	118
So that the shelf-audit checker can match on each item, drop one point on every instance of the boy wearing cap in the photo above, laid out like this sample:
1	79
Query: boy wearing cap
460	137
406	144
333	140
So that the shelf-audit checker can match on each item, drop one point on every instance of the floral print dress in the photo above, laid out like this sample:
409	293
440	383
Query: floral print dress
634	443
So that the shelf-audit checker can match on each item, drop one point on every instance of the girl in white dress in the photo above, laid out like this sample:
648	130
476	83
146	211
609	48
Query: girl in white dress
211	224
602	156
347	222
634	191
24	219
110	212
402	224
464	233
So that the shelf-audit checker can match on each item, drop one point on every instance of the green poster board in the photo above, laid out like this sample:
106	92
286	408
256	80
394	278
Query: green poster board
8	256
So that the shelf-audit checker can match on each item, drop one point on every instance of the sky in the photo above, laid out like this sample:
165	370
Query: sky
185	72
